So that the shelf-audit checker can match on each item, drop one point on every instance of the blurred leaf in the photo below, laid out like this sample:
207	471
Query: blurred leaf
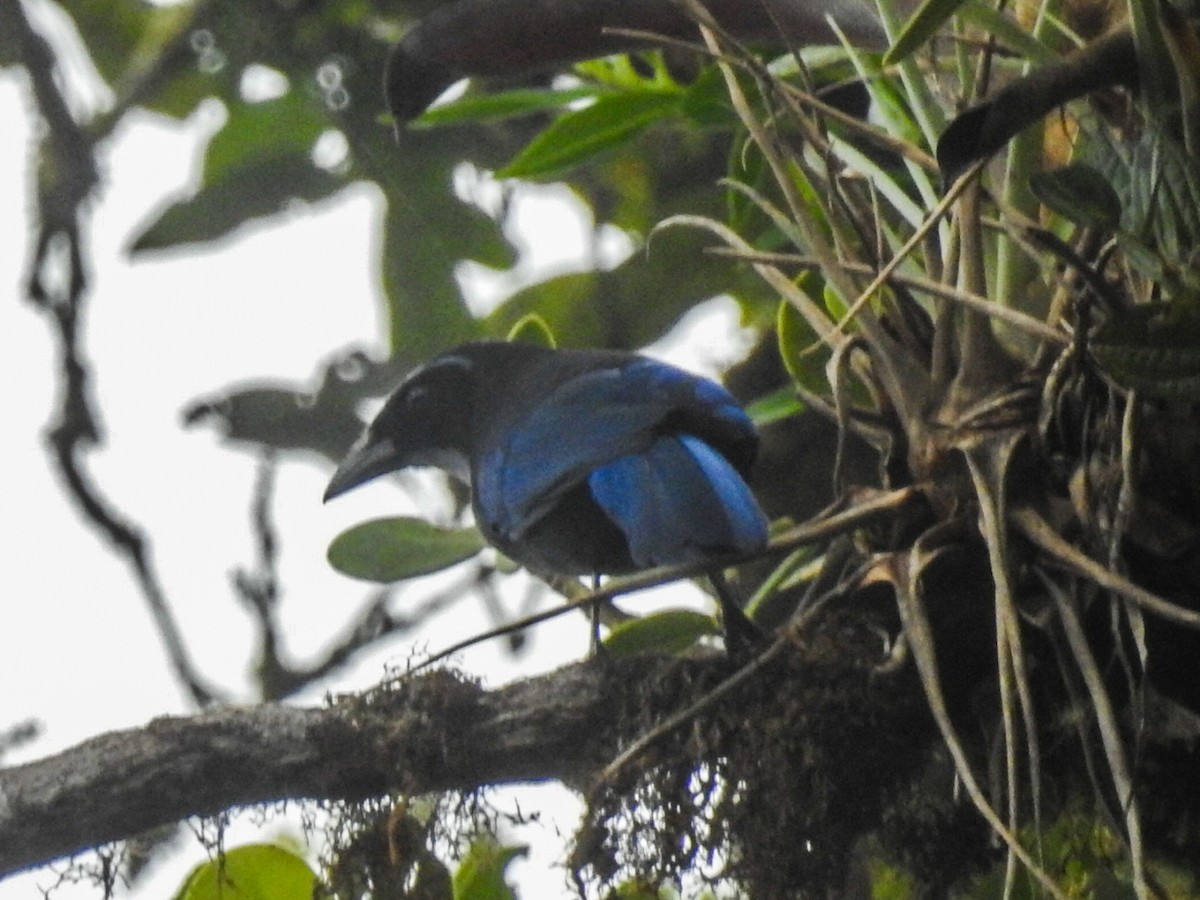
123	36
532	329
391	549
480	876
255	166
668	631
920	27
257	190
1010	33
252	872
706	100
563	304
281	419
890	882
282	127
504	105
774	407
1079	193
800	349
575	136
639	890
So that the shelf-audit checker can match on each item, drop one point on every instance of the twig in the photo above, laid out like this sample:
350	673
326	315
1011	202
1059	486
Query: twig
72	175
807	533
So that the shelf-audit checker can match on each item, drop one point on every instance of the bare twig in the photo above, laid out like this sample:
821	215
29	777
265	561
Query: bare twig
68	175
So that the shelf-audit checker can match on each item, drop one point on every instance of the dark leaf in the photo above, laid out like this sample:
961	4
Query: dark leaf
1153	348
1080	193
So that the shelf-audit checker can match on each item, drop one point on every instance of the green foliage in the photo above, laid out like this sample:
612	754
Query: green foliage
580	134
391	549
251	872
480	876
665	631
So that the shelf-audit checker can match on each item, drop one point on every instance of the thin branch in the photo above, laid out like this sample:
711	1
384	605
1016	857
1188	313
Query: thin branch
68	175
879	505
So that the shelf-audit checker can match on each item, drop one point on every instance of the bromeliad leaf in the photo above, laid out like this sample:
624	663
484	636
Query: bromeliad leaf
391	549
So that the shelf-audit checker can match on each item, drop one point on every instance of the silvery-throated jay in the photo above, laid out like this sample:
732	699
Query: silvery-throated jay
580	462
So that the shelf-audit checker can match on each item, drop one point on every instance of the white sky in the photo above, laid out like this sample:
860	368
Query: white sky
77	650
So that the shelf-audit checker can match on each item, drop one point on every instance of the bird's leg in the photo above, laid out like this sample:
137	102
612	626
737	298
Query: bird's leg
597	646
740	633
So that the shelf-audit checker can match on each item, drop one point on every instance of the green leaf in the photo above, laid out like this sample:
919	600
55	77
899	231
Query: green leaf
504	105
481	874
1079	193
669	631
252	872
801	350
774	407
578	135
391	549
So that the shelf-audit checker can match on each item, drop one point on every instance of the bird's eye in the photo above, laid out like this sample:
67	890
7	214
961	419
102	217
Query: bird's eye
415	395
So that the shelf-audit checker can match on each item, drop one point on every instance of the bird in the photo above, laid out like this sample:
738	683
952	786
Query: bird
580	462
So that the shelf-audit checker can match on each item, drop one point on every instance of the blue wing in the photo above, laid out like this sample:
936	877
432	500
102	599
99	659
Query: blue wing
678	501
589	421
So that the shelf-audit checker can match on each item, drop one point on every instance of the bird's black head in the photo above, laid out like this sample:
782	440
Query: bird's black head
425	422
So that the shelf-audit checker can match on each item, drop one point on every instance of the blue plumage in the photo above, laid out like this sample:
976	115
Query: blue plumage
581	462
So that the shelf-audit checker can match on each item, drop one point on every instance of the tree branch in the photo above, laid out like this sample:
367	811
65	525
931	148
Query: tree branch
430	733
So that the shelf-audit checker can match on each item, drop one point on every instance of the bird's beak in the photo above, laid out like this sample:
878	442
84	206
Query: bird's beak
366	460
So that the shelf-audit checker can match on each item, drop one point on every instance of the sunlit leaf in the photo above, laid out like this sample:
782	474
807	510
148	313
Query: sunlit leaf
391	549
252	872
